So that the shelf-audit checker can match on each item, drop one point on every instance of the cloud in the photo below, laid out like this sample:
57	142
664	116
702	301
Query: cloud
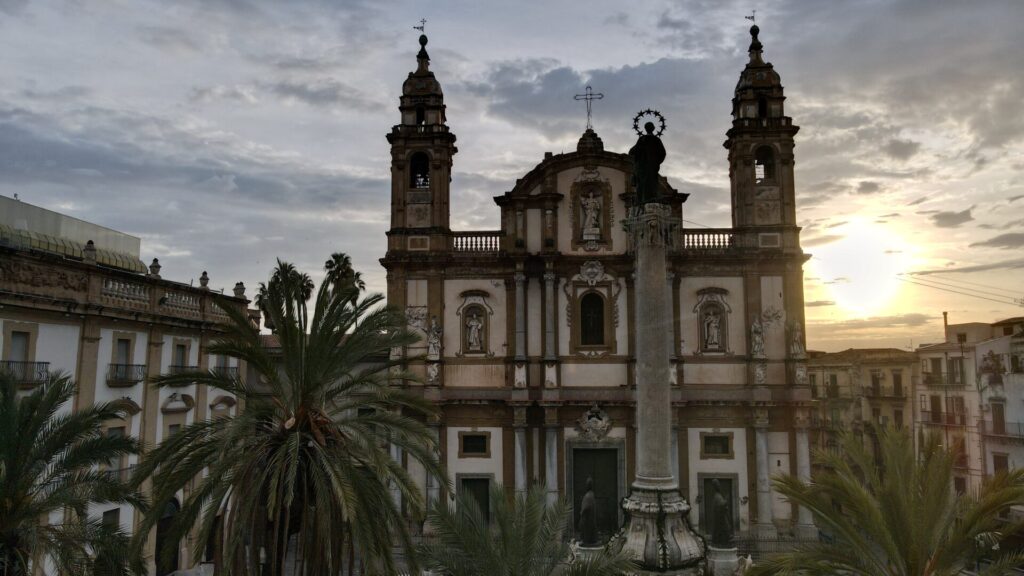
1011	264
821	240
232	93
901	149
170	39
1011	240
910	320
951	219
867	187
918	201
322	92
819	303
1015	198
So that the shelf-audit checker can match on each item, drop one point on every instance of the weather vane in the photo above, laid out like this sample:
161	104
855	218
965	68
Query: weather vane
423	24
648	112
753	15
589	97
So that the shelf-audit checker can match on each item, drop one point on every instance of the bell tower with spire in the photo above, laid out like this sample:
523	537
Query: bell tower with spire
760	145
421	163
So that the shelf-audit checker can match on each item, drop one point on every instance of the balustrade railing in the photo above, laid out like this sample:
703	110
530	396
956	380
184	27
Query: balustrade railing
708	239
125	374
476	242
125	290
944	418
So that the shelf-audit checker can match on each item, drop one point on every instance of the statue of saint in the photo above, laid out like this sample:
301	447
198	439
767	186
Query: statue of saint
647	154
796	345
474	327
712	330
721	518
756	338
587	527
434	340
591	206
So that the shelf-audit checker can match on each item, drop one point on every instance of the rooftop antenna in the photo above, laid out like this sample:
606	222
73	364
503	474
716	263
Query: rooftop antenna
753	16
423	24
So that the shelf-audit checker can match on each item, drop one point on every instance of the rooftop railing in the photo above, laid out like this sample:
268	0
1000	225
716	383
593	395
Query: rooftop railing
481	242
707	239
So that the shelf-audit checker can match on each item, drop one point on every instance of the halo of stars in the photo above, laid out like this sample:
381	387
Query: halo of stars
648	112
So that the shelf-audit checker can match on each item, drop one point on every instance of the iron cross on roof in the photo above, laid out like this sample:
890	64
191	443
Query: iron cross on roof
589	97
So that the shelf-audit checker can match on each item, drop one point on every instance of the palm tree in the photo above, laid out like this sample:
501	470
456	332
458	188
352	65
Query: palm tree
304	467
289	283
340	274
522	538
894	512
49	466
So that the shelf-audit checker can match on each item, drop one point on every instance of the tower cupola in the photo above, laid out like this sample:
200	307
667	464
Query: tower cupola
759	90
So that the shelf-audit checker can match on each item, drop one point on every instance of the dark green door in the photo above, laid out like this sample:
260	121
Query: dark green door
480	490
707	516
600	464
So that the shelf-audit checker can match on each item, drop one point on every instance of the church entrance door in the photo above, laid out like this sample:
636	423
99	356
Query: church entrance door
601	465
726	486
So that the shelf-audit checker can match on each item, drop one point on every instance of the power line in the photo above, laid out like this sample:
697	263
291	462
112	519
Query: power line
969	282
958	292
932	280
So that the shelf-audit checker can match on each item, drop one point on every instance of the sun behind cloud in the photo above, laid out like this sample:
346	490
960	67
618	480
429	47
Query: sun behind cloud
860	270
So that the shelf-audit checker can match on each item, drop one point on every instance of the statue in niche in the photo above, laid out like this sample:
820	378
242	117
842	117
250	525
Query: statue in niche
591	208
434	340
721	518
587	527
712	329
647	155
796	345
474	333
756	338
432	373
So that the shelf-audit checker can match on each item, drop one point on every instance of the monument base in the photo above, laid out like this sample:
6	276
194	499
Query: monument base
806	532
722	561
657	534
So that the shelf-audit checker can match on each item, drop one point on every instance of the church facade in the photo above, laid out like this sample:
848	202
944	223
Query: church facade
529	332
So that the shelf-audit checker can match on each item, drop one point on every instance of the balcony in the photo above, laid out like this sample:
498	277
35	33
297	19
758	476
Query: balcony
225	371
484	242
884	392
26	374
120	474
942	379
943	418
181	369
125	375
829	424
708	239
1007	430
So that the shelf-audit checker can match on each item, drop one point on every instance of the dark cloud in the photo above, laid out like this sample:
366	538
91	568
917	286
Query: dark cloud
951	219
918	201
911	320
867	187
323	92
1015	198
1011	240
819	303
901	149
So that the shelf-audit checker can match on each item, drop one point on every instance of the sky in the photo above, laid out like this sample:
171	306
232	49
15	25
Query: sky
228	133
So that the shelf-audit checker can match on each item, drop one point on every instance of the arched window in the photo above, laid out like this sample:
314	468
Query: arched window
762	107
419	170
764	165
713	323
592	319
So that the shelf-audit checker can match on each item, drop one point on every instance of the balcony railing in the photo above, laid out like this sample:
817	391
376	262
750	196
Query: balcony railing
942	379
120	474
884	392
26	373
181	368
828	424
1003	429
708	239
943	418
122	375
476	242
225	371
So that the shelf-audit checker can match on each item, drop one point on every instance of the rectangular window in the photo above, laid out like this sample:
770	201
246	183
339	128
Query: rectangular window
936	409
960	485
936	367
112	518
173	429
124	351
1000	463
180	355
474	444
956	371
897	419
478	489
716	446
897	383
961	337
19	346
116	464
998	418
876	415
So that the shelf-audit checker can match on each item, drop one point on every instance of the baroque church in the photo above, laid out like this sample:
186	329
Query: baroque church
528	332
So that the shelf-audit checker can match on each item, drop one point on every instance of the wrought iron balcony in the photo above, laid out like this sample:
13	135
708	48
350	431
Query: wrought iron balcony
123	375
181	368
942	379
26	373
121	474
1014	430
884	392
943	418
225	371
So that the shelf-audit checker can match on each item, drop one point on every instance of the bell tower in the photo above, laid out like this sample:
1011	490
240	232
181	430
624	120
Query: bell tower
421	163
760	145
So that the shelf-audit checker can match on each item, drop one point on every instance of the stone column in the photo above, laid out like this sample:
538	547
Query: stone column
805	528
551	453
519	421
396	493
763	526
550	345
658	535
432	484
520	280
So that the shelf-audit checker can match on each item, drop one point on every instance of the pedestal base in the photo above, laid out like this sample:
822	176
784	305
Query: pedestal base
657	534
722	561
806	532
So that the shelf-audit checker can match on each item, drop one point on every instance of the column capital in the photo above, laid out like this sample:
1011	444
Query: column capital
519	416
761	420
550	276
519	277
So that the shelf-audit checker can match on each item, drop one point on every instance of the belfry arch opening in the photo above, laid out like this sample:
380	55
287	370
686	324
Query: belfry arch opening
419	170
764	165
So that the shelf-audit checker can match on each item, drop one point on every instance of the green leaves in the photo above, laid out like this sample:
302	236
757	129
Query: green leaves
49	460
895	513
304	464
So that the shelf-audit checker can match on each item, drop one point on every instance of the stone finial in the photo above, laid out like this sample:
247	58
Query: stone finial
239	289
89	252
204	281
154	269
